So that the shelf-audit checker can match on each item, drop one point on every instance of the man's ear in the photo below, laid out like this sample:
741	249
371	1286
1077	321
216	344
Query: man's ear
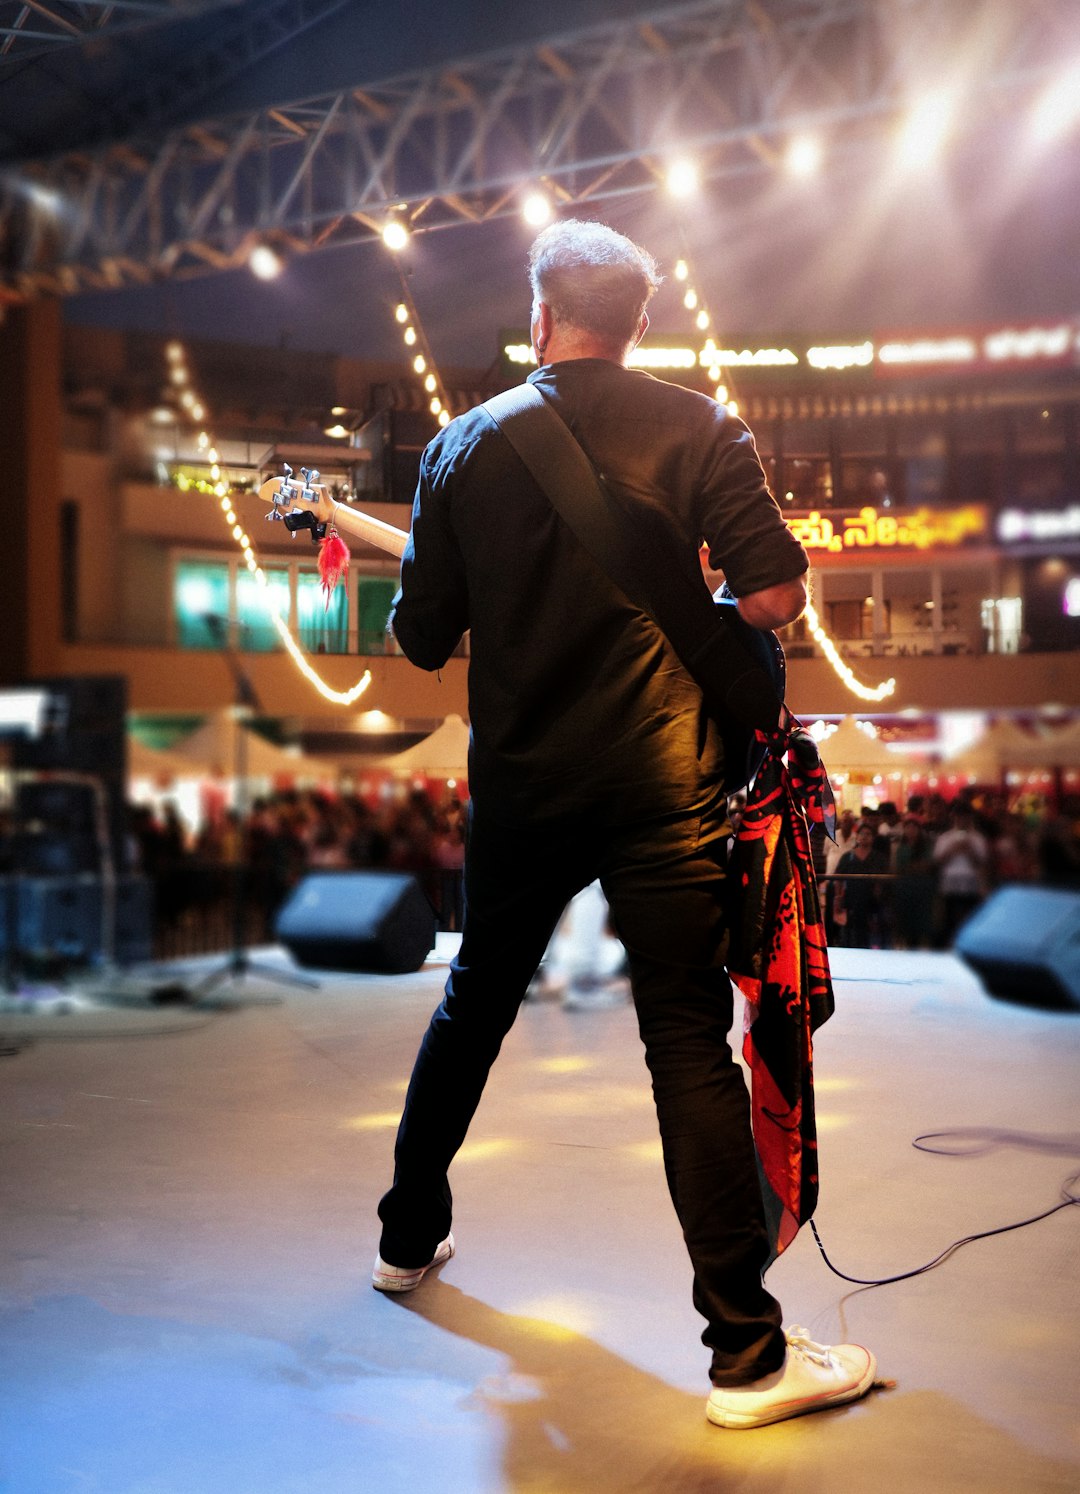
541	328
642	328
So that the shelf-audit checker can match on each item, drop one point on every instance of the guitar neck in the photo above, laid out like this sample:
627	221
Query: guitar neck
375	531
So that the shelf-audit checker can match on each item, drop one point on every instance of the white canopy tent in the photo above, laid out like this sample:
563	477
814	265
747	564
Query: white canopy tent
1002	746
443	754
216	747
158	765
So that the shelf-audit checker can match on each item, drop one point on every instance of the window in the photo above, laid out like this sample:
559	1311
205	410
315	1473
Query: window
255	632
375	593
201	602
323	623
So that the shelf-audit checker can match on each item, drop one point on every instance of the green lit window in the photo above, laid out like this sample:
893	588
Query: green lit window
200	595
323	629
255	631
375	596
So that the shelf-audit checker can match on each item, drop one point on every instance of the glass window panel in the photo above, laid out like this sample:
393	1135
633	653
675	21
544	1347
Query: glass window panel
862	435
1041	428
809	482
255	631
865	480
808	437
375	594
323	625
200	591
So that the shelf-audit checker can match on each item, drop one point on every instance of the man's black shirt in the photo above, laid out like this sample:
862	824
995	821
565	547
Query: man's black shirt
574	694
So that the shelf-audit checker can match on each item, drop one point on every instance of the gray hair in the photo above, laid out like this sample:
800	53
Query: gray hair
593	278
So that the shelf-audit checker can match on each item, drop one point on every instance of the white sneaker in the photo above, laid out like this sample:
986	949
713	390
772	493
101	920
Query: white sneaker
386	1278
813	1377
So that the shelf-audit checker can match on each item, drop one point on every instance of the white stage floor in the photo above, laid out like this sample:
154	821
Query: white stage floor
187	1203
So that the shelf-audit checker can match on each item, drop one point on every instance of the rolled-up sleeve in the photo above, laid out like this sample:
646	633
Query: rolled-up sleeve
430	611
748	538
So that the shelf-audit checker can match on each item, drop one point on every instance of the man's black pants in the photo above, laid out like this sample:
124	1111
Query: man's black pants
664	881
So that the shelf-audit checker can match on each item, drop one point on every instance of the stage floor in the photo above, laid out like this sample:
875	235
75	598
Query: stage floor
187	1203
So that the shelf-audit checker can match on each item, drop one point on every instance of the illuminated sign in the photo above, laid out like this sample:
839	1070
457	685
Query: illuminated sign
1038	344
749	358
1035	344
929	350
841	355
922	529
1041	526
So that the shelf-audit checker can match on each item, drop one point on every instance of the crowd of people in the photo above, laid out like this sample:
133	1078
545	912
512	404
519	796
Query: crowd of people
908	879
288	835
893	879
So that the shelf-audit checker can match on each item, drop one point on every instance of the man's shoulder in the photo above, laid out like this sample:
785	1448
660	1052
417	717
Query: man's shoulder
459	437
630	387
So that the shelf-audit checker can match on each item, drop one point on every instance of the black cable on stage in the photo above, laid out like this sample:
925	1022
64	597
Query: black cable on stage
979	1140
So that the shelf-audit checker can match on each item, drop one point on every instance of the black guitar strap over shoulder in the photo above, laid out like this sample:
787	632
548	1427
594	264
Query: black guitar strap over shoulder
703	634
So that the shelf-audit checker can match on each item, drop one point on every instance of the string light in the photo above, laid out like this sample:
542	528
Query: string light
423	362
847	675
175	355
692	299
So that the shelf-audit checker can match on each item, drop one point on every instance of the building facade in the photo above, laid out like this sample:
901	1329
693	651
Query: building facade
934	478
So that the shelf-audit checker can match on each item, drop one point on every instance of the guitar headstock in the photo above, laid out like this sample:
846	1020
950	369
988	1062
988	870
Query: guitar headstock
298	502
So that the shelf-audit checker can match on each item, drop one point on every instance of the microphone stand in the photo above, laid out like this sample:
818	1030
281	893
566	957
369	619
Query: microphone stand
239	964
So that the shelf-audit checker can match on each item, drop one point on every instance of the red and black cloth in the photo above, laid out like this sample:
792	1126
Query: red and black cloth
779	961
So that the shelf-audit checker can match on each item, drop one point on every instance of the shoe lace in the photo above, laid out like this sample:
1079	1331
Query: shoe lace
800	1342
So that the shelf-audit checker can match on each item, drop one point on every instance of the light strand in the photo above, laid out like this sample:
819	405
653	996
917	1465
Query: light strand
180	379
420	355
692	301
843	670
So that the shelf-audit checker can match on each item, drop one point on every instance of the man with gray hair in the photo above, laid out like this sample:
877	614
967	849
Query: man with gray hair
594	757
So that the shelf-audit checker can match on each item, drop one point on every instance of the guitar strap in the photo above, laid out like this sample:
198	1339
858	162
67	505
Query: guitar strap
682	609
778	956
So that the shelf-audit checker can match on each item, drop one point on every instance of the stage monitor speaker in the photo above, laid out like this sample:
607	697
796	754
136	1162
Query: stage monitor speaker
380	922
1024	944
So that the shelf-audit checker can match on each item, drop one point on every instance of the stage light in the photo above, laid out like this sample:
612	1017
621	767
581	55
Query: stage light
690	299
682	269
410	336
401	312
444	417
536	210
419	363
395	235
1058	108
431	383
803	157
264	263
923	132
702	319
336	431
436	405
682	178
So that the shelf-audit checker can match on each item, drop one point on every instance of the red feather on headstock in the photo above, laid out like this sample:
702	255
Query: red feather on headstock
334	560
